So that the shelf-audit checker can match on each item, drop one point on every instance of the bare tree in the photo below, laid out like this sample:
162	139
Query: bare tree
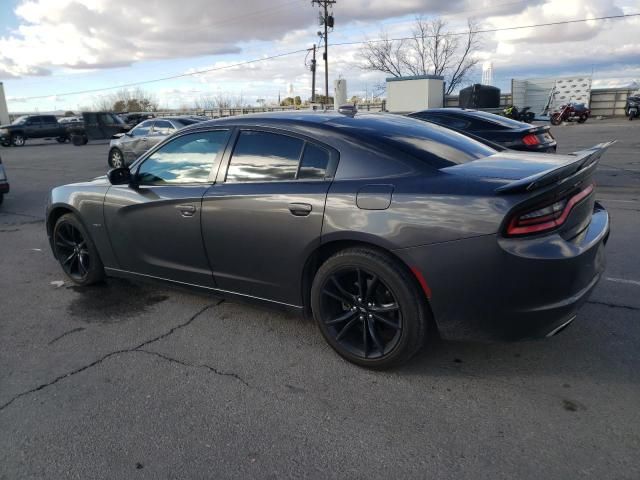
431	50
136	100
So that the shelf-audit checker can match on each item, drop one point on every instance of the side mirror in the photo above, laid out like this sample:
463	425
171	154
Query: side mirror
119	176
128	134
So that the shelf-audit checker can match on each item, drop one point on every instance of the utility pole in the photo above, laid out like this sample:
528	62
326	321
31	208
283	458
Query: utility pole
328	21
312	67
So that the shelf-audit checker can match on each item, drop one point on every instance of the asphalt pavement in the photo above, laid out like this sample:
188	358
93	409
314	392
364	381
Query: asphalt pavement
134	380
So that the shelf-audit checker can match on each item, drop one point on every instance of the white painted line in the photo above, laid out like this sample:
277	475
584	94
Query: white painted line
623	280
621	201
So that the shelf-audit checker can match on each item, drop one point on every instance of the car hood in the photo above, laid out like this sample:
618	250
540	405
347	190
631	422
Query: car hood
101	181
510	165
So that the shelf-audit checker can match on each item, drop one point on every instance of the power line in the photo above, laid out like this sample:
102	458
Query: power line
162	79
493	30
285	54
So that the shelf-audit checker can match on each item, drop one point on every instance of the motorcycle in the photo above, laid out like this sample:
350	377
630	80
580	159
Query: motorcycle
632	107
571	112
523	115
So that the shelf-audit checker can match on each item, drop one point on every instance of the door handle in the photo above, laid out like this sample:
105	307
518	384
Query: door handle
187	210
300	209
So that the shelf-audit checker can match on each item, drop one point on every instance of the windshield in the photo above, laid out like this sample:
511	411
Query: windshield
19	120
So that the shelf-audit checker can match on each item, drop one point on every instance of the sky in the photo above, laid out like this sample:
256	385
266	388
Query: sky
49	48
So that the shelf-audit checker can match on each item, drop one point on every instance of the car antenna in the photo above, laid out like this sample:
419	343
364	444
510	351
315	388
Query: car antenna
348	110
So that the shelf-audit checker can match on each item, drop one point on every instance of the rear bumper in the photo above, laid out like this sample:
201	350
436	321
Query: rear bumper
495	288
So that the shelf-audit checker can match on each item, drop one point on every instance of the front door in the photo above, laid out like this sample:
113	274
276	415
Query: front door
154	226
33	127
263	217
136	142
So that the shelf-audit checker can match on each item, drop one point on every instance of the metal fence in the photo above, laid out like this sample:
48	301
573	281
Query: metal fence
605	103
231	112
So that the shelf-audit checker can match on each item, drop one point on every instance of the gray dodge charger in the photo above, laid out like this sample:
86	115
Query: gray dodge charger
381	227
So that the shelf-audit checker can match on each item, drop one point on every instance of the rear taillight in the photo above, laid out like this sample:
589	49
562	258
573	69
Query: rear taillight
530	139
545	217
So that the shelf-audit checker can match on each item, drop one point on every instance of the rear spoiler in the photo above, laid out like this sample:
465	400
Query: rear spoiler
585	160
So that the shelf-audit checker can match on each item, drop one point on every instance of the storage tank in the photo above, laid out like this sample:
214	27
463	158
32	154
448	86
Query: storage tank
480	96
4	112
340	93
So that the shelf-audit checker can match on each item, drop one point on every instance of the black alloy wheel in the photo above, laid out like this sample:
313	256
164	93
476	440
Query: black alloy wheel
75	251
368	309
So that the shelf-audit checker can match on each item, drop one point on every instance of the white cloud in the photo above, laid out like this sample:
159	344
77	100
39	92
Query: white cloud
66	36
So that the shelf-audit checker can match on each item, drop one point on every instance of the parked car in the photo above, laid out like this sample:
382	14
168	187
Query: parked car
96	126
125	148
4	182
377	225
494	128
32	126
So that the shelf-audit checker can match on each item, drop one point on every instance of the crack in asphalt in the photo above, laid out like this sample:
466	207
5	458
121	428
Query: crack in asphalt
192	365
109	355
17	214
613	305
79	329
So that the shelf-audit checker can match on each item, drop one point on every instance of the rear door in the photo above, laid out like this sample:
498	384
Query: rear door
154	227
264	215
50	126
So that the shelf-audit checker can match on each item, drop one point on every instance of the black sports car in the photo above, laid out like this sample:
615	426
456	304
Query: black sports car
377	225
497	129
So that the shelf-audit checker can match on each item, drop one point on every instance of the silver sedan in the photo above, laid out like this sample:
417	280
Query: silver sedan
125	148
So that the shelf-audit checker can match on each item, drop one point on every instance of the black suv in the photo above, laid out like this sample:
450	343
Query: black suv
32	126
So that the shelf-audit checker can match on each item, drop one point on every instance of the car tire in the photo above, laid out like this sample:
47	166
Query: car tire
1	198
369	308
18	140
6	143
116	158
62	139
75	251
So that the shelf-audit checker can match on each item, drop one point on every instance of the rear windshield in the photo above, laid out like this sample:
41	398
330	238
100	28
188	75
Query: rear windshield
437	146
493	118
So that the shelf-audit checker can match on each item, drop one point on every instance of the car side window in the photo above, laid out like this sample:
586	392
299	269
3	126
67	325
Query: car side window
452	122
163	127
107	119
264	157
33	121
313	165
186	159
142	129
